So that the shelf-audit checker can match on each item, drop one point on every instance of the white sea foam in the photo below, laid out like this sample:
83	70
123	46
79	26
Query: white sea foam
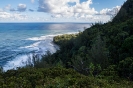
19	61
41	38
33	46
41	46
48	36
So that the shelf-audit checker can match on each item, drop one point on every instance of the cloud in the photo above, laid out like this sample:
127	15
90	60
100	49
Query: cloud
62	8
21	7
12	16
4	15
12	9
32	1
1	10
75	9
7	7
103	16
111	12
31	10
56	16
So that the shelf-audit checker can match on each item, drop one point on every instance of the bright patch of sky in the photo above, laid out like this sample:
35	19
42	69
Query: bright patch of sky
58	10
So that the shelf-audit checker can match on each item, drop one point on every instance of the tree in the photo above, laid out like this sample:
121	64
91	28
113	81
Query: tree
125	67
127	46
99	53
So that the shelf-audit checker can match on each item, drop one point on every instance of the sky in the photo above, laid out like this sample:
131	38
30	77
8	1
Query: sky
59	10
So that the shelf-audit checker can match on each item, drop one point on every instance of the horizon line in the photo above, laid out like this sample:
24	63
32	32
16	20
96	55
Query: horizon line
47	22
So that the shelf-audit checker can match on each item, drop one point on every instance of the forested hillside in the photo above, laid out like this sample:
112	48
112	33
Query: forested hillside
102	46
99	57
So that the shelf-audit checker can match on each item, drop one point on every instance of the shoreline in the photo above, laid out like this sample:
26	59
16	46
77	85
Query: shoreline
23	60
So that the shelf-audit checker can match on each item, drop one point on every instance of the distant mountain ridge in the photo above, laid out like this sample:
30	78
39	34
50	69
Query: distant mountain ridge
126	12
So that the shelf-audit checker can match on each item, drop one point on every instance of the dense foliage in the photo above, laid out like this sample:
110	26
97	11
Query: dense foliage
56	78
99	47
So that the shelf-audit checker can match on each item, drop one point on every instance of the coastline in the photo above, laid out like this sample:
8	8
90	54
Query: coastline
26	38
24	59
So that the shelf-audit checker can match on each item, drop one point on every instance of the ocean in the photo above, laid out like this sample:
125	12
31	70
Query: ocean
18	41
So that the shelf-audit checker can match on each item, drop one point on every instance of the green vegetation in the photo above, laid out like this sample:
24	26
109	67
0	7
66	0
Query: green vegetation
99	57
57	78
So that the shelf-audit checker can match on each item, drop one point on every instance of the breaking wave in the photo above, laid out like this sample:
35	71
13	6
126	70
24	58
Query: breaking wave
40	47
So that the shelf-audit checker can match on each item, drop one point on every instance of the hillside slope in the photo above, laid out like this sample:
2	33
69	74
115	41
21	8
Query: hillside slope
126	12
99	47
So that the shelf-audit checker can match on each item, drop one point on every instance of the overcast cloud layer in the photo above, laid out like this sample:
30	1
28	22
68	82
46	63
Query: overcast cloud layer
70	9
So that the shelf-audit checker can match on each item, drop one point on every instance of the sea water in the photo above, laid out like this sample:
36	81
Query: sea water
18	41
